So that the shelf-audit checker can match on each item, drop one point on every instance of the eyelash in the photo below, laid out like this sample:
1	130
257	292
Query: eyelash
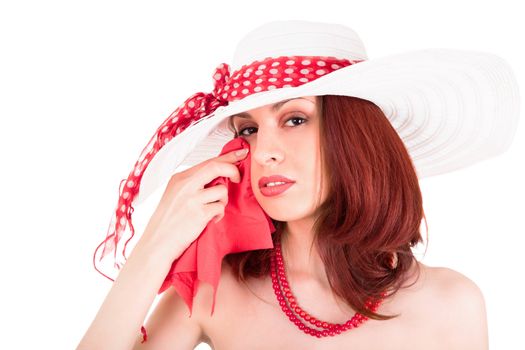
293	117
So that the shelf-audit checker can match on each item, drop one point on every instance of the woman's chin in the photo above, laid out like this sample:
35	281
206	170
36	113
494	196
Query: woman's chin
284	213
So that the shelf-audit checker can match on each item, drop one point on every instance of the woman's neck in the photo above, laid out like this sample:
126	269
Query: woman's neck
301	257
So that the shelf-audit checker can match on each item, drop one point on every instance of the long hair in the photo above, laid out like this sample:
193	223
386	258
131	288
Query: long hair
372	212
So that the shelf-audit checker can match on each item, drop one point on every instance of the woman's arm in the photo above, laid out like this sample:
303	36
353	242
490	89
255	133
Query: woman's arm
186	207
118	321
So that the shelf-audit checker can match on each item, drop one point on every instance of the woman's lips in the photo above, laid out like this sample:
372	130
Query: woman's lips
270	191
263	181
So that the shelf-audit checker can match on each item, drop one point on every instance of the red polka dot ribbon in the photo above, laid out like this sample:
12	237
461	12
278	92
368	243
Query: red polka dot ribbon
268	74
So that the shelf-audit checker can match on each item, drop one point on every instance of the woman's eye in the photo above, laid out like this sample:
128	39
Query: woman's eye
241	132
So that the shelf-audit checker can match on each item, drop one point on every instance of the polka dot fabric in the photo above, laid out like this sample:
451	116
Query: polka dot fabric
275	73
268	74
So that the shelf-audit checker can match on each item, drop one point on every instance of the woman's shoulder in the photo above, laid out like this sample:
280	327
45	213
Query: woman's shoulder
445	283
431	291
440	283
437	301
448	302
227	289
436	278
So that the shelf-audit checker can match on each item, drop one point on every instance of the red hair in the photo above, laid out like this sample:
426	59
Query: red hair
372	212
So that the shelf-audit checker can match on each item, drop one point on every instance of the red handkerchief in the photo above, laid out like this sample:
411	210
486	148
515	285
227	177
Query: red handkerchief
244	226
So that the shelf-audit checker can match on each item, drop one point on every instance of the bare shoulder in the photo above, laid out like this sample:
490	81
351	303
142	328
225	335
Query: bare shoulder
458	290
457	308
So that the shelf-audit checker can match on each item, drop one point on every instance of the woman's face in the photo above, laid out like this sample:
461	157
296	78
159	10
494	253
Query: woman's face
284	140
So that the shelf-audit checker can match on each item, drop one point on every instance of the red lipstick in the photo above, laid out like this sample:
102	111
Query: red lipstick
270	186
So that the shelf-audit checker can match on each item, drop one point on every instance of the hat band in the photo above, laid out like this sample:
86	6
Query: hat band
273	73
268	74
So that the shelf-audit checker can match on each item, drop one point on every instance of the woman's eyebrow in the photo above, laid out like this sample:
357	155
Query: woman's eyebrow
275	107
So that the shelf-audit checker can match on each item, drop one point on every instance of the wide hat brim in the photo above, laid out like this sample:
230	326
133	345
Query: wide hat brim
452	108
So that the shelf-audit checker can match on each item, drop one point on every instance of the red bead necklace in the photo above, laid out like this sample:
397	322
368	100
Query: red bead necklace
292	310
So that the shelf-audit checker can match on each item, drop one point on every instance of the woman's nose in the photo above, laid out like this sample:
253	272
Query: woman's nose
267	149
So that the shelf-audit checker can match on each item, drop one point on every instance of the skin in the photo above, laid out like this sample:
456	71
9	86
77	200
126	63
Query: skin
281	143
442	310
438	308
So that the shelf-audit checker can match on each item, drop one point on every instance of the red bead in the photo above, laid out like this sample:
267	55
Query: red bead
282	291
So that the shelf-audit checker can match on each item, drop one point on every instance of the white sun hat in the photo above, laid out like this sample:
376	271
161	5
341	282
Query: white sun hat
451	108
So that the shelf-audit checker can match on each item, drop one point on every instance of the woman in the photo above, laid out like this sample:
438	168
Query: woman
344	228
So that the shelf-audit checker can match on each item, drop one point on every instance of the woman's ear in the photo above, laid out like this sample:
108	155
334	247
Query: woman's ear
393	261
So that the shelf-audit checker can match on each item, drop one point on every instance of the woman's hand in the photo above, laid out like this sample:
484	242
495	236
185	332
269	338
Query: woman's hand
186	207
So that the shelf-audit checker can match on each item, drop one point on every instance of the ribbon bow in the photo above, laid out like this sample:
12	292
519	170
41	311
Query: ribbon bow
194	108
264	75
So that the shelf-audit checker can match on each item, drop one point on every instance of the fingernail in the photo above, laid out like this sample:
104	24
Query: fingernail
241	152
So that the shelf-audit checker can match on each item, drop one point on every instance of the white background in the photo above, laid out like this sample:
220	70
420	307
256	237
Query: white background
84	85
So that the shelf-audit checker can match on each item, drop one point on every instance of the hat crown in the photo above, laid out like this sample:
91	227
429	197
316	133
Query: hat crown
298	38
